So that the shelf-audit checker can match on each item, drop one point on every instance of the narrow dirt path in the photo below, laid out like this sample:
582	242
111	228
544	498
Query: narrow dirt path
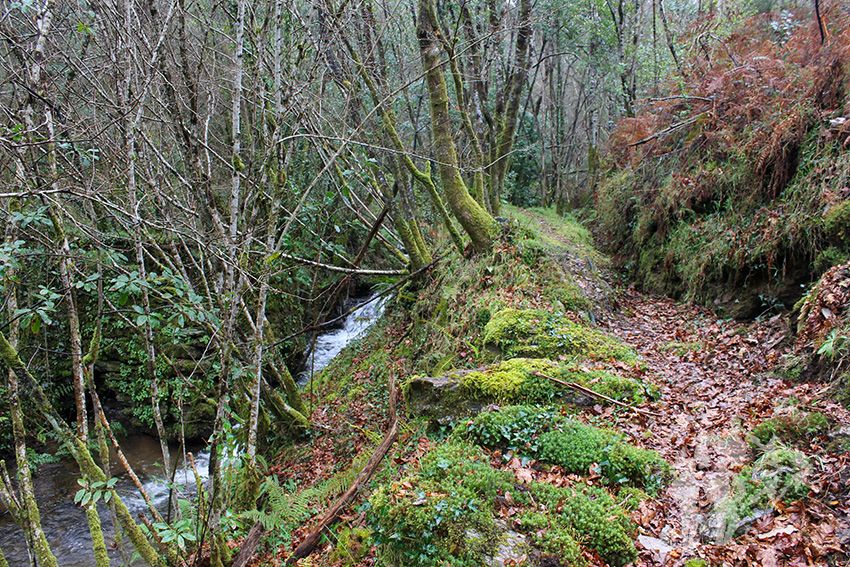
715	383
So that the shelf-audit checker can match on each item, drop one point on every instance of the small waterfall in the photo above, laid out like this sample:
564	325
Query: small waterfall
65	523
329	344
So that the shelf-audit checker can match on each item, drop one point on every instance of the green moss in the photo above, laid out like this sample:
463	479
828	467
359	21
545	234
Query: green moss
681	349
577	447
547	435
535	333
593	515
507	381
795	427
351	547
630	498
836	223
569	295
514	381
442	515
778	475
558	543
830	257
696	563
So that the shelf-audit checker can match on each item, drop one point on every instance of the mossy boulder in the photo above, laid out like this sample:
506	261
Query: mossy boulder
462	393
797	427
535	333
779	475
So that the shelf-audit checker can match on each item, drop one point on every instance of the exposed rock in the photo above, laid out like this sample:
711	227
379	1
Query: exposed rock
462	393
512	550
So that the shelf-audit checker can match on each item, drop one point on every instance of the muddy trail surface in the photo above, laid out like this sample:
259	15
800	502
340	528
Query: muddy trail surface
716	384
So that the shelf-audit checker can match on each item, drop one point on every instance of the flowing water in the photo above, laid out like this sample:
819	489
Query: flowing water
56	483
329	344
65	523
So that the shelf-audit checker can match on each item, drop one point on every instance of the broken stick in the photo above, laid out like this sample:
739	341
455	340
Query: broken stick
307	546
588	392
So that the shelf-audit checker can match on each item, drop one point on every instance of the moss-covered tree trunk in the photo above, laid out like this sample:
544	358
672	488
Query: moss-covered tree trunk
79	451
514	88
474	219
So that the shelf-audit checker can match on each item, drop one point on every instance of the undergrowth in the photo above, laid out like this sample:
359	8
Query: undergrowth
444	514
547	435
736	182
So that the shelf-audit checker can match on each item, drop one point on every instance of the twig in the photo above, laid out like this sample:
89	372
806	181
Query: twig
669	129
684	97
342	270
307	546
587	391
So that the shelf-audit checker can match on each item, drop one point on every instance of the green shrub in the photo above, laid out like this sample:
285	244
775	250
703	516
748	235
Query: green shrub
515	428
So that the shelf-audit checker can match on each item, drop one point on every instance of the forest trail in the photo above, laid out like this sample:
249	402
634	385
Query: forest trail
716	383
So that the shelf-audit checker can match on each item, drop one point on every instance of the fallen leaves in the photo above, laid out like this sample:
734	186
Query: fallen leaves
713	378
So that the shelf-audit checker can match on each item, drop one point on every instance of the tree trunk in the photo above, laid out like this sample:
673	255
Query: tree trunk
79	451
514	87
476	221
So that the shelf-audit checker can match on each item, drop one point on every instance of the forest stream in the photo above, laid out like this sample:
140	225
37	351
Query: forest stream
56	483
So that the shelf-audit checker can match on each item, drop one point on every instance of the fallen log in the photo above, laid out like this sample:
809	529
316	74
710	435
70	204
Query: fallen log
307	546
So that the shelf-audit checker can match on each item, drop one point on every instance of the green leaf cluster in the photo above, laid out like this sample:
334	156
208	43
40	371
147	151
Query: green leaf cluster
92	493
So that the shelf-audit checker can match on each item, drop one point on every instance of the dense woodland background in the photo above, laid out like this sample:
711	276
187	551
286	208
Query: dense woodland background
189	187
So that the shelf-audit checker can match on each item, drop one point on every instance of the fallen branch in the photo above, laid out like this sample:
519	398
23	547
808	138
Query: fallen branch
307	546
252	541
587	391
255	536
330	268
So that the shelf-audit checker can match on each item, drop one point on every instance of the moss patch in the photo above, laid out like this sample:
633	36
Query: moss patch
796	427
549	436
461	393
535	333
778	475
443	515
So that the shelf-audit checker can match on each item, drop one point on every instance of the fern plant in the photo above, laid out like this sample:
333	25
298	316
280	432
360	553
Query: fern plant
285	509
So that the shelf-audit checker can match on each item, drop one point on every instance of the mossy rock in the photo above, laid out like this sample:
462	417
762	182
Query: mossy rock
445	514
535	333
778	475
462	393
